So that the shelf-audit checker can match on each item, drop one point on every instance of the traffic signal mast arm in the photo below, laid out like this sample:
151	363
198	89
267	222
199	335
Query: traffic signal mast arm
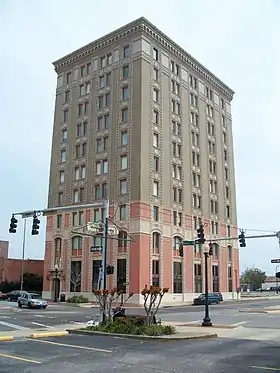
277	234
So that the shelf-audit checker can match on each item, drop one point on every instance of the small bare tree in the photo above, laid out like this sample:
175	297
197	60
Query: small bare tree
109	298
75	276
152	299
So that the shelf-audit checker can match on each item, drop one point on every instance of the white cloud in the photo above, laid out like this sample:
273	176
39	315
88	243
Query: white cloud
237	40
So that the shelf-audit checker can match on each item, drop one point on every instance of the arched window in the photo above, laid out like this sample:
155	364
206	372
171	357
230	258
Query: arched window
229	253
215	250
57	247
176	242
156	242
77	243
122	241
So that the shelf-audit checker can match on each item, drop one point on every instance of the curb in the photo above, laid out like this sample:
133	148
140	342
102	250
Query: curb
218	326
143	337
6	338
48	334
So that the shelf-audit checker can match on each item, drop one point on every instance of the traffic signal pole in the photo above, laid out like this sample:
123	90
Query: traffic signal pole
246	237
23	255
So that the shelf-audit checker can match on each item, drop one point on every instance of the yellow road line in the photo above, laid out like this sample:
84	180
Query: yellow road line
20	358
73	346
266	368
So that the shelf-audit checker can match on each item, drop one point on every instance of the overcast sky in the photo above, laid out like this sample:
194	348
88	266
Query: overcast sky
237	40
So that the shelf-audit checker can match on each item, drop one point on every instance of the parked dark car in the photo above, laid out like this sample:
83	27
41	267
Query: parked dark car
220	296
13	296
213	298
3	296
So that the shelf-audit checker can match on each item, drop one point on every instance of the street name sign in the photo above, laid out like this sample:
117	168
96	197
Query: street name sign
275	260
95	249
188	243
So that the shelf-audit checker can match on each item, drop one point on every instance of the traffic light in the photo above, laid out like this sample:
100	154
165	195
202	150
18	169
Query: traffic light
241	237
210	252
110	270
35	225
13	225
181	250
200	235
277	274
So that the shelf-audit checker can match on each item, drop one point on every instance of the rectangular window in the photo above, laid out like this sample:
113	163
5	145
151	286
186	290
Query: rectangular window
124	115
105	167
98	168
88	68
155	95
126	51
60	199
155	74
65	115
122	212
156	188
68	78
123	186
102	81
107	121
123	162
156	140
80	110
125	72
84	150
100	102
76	195
99	123
156	117
155	54
102	61
108	79
58	221
125	93
63	156
77	173
156	213
97	192
156	163
124	138
61	177
109	59
83	172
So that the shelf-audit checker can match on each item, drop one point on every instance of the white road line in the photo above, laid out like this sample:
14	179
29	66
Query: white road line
191	322
240	323
14	326
45	326
5	317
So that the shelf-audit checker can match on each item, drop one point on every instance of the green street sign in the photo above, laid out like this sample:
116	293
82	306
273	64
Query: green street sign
188	243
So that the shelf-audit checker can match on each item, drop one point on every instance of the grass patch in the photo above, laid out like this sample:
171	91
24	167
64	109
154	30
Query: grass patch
120	327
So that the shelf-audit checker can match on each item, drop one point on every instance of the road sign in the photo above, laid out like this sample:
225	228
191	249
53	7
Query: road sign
95	249
275	261
188	243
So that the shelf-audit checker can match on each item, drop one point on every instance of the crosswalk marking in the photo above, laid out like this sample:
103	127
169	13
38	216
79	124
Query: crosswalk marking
14	326
43	325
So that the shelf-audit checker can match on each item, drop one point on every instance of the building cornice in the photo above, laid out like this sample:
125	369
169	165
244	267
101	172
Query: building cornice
146	27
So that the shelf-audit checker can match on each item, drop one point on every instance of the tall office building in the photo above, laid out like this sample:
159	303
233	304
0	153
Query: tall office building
140	121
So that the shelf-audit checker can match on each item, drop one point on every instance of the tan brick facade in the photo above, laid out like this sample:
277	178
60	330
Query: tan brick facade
141	122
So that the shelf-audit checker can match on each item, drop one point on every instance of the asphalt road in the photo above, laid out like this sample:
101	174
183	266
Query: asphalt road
13	318
88	354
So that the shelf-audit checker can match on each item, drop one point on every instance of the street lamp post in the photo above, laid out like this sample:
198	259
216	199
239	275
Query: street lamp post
276	270
207	320
55	285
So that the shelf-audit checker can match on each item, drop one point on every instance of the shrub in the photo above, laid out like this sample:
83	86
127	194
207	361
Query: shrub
121	326
77	299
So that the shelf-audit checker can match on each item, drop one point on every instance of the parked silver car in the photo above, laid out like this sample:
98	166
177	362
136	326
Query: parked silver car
32	300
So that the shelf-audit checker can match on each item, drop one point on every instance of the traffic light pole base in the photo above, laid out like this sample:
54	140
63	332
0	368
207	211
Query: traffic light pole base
206	322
